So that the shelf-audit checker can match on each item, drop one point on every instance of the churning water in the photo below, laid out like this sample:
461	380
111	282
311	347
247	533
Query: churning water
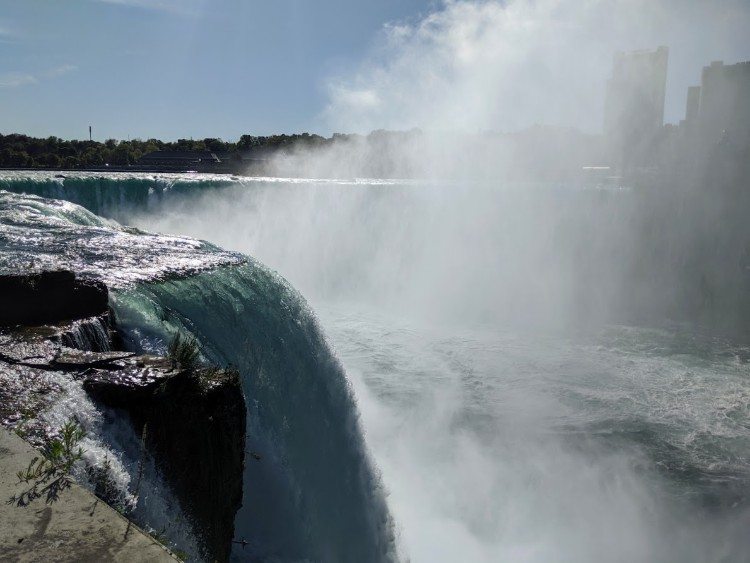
512	412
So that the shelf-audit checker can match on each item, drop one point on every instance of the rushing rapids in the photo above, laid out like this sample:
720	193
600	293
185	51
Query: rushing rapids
312	492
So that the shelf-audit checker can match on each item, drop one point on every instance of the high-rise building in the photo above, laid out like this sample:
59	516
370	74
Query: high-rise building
634	111
724	113
693	104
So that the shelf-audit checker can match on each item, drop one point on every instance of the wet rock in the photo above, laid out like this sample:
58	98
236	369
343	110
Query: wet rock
27	346
88	358
195	429
131	384
49	297
26	387
197	424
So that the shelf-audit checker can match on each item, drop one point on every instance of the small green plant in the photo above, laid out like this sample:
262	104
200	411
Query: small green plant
184	351
50	473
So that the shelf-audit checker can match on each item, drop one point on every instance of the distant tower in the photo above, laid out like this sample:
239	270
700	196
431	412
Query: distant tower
634	111
90	138
725	103
693	104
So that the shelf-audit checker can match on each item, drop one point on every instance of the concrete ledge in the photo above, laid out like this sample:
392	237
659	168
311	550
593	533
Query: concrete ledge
77	527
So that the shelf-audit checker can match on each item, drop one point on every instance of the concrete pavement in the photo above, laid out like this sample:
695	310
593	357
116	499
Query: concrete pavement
76	527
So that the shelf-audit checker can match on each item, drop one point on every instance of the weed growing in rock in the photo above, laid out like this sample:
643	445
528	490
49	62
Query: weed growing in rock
184	351
50	473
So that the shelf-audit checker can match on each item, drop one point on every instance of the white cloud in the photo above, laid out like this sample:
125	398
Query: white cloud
60	70
17	79
179	7
7	35
491	64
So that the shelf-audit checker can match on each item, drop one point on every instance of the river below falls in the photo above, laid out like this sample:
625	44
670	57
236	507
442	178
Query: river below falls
620	444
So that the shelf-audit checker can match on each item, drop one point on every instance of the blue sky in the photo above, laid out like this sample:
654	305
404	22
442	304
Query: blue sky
221	68
179	68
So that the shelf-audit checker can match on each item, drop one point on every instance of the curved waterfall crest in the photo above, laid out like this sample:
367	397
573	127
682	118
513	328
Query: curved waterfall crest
313	491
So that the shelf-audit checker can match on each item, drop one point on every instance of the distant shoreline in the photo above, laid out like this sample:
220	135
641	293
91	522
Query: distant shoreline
155	170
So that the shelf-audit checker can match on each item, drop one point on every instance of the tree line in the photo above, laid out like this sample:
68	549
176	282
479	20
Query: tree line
22	151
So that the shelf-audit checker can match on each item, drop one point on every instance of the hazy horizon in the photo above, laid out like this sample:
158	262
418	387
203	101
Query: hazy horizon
165	69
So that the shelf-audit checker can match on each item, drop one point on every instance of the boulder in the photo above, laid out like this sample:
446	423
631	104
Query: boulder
131	385
49	297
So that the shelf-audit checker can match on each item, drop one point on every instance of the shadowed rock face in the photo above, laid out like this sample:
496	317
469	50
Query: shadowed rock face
49	297
195	428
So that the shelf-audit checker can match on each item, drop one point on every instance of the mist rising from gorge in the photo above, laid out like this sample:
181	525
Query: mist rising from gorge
472	66
487	89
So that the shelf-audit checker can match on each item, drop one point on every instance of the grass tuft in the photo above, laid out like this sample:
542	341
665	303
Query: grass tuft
50	473
184	352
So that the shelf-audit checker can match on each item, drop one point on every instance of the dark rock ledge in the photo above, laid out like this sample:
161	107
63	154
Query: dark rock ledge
49	297
194	419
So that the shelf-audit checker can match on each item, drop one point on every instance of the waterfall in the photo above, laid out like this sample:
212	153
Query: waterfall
311	490
313	493
87	334
115	195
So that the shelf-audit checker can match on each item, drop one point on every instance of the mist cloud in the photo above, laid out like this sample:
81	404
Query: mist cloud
478	65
